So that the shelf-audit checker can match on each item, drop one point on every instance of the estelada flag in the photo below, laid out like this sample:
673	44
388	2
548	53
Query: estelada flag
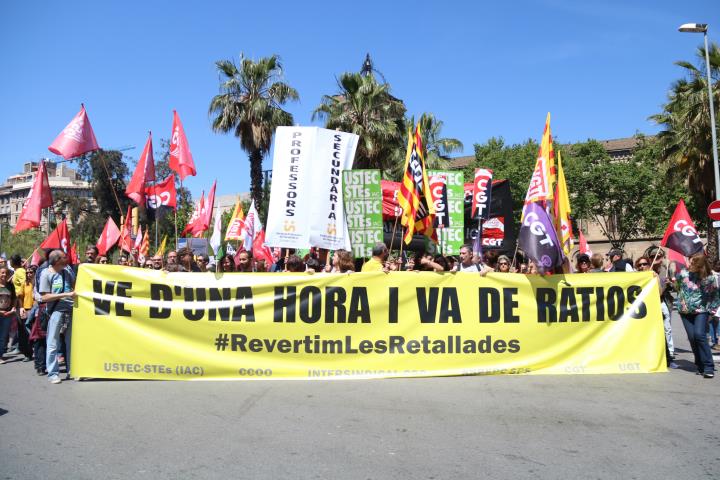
144	245
181	160
237	223
162	194
108	237
415	197
58	238
681	234
561	206
39	197
75	139
126	242
144	173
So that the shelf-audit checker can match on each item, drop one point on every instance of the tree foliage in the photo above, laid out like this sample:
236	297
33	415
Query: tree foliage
686	138
250	105
364	106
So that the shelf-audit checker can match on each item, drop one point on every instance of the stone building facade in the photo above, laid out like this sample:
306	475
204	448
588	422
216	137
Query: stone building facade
63	180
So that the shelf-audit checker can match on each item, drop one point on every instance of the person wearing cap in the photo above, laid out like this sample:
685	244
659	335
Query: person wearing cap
615	255
582	264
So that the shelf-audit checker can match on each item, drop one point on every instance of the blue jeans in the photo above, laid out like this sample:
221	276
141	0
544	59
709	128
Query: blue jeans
696	327
714	330
5	323
53	343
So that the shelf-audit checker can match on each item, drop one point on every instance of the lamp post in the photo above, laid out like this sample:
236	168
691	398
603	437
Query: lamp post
703	28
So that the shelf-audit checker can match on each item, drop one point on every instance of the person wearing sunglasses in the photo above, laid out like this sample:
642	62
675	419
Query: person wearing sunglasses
503	264
582	264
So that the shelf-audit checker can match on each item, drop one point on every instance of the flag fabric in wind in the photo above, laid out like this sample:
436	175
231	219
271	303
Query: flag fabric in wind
681	234
193	224
162	194
253	225
260	251
161	248
58	238
206	212
138	238
438	189
144	248
72	254
563	225
415	196
538	239
39	197
108	237
583	248
181	160
543	177
237	223
216	237
126	242
75	139
144	173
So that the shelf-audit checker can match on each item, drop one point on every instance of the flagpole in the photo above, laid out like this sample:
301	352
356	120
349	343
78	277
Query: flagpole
176	234
392	238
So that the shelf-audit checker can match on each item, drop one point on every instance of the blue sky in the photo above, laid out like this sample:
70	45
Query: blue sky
485	68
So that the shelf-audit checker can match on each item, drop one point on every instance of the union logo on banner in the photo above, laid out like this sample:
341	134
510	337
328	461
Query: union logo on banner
539	188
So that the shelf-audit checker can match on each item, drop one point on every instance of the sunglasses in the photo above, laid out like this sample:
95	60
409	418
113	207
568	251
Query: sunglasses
643	264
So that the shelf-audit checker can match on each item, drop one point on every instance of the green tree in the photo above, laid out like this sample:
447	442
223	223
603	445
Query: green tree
250	105
365	107
106	172
686	140
22	243
514	163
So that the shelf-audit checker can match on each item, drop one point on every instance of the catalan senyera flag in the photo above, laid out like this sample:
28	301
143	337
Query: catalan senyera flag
543	177
145	245
561	205
237	222
414	199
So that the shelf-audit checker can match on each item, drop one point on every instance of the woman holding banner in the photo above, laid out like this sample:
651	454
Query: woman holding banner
697	299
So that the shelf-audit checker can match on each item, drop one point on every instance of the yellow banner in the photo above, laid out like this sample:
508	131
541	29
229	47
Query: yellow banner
144	324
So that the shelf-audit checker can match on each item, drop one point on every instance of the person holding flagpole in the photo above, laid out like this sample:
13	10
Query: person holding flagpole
697	299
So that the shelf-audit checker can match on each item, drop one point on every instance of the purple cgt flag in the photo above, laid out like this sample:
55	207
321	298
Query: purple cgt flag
538	238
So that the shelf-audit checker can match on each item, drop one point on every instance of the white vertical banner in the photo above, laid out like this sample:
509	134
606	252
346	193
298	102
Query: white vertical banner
334	152
289	208
306	204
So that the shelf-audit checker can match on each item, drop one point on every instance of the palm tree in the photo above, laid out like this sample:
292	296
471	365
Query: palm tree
365	107
250	105
437	148
686	141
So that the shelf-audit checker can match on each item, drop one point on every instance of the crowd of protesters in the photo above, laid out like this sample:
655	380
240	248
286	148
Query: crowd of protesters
36	301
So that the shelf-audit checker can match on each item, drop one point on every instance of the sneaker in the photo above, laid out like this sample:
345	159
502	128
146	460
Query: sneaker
15	352
709	375
2	361
55	379
673	365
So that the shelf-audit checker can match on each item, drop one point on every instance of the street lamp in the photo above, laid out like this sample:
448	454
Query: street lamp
703	28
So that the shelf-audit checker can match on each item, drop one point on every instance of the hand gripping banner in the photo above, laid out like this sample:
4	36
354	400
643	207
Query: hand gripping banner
145	324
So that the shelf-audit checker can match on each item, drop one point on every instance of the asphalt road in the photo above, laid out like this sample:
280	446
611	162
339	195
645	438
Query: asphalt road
633	426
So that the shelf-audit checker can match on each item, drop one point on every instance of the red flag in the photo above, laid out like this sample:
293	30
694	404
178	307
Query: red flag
390	191
108	237
681	234
36	259
202	223
144	173
58	238
77	138
73	254
260	251
193	223
40	197
181	160
161	194
126	242
583	248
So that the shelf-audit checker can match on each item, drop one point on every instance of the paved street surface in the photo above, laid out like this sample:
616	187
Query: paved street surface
615	426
